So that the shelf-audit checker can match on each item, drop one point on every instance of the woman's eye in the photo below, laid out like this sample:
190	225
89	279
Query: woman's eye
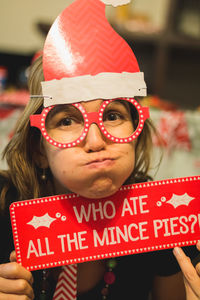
66	122
113	116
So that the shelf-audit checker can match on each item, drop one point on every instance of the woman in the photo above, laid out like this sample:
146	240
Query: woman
80	170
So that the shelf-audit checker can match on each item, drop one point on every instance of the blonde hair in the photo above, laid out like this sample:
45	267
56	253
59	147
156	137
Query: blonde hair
23	171
20	154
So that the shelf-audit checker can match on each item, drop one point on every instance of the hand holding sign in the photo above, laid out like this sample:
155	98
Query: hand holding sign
191	274
68	229
16	281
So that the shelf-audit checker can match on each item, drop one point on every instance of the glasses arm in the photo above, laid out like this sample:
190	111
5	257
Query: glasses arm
35	121
146	112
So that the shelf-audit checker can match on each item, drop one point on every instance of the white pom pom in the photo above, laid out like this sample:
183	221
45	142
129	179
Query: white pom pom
115	2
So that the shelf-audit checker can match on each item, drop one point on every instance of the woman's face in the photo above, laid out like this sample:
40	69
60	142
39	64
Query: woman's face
96	168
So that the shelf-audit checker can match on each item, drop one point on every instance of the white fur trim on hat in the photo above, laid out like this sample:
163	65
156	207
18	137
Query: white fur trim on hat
115	2
87	87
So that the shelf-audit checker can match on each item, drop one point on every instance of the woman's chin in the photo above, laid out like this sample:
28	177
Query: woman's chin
99	190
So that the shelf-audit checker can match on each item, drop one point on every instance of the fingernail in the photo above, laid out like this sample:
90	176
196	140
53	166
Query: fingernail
177	251
198	245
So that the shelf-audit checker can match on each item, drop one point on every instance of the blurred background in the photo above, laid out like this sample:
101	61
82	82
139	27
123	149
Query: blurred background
165	37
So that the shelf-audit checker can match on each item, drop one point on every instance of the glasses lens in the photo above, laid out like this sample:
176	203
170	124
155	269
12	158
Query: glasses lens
64	123
120	118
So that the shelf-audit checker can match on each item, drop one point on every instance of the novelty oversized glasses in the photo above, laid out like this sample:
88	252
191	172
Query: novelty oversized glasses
66	125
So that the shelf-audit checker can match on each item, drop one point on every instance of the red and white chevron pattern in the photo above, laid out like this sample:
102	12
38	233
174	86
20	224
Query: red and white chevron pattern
66	288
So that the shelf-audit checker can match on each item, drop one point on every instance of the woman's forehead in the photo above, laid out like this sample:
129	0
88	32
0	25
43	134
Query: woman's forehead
92	105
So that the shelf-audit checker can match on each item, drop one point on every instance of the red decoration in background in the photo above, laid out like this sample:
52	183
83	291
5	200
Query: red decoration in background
5	113
173	130
8	118
15	97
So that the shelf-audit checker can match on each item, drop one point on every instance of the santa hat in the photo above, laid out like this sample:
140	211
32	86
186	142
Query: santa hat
85	59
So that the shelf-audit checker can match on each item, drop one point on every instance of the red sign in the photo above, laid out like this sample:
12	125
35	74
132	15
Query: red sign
68	229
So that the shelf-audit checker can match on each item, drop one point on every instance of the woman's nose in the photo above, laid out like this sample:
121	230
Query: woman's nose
95	140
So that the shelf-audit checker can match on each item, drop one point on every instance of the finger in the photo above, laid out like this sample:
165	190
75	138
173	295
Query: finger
13	256
13	297
197	267
198	245
16	287
189	272
15	271
196	260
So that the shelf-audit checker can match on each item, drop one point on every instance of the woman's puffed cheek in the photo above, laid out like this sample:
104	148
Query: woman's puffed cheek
77	171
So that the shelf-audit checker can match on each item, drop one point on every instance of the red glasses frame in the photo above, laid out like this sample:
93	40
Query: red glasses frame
38	121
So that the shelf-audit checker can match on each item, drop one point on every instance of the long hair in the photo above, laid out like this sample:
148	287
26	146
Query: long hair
21	152
23	171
